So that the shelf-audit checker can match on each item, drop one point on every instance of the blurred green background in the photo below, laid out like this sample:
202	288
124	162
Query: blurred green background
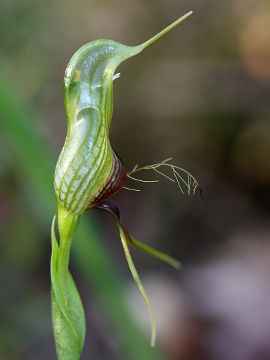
201	95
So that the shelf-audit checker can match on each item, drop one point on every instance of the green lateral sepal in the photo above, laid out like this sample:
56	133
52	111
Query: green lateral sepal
124	240
155	253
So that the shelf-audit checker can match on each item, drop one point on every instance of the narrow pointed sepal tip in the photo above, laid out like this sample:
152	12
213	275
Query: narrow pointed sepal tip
153	340
177	265
162	32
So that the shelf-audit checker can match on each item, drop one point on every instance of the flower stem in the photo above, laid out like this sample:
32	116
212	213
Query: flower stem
67	310
67	224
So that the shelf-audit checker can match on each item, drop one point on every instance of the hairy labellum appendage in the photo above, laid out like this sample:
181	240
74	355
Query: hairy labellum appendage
88	169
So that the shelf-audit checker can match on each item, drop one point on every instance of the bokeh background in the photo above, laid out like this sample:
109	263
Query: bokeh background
201	95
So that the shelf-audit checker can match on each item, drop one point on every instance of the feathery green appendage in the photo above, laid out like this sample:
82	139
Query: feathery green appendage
179	174
67	310
137	280
156	253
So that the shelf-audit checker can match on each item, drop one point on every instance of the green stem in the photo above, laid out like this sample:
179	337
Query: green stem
63	262
67	224
67	310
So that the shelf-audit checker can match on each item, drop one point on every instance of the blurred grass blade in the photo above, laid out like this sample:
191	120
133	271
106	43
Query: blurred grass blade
34	167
